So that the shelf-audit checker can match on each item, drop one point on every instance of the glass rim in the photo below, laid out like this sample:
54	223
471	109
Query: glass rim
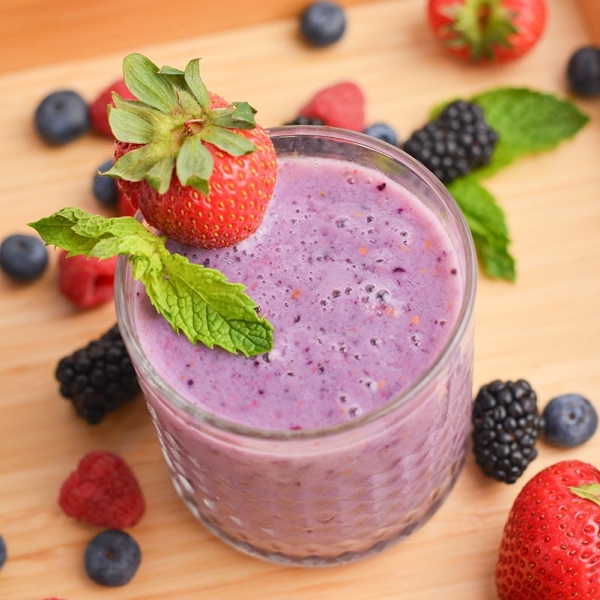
441	359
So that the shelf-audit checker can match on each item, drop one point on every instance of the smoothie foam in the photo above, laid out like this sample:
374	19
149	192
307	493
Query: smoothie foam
364	288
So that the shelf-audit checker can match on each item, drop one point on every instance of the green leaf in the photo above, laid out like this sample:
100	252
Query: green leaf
60	229
241	116
527	121
208	308
228	141
166	70
128	127
587	491
196	85
488	226
196	301
159	175
194	165
143	79
138	164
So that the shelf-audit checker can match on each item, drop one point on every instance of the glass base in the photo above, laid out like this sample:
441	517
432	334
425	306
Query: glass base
327	561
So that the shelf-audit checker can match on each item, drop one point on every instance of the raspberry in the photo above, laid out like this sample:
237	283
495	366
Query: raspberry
99	107
455	143
87	282
98	378
339	105
103	491
506	426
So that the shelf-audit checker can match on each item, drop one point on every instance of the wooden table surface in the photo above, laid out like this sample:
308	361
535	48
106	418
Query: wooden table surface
545	327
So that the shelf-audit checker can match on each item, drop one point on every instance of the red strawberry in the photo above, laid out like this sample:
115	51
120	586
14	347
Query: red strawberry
200	169
87	282
124	206
339	105
99	107
103	491
551	543
487	30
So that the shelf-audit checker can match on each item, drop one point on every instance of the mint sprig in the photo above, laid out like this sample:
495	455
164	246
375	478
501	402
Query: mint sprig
527	122
196	301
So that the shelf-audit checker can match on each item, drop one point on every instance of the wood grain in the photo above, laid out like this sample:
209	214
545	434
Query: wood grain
545	327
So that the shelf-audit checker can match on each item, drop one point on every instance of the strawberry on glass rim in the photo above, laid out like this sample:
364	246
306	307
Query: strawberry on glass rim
487	31
199	168
202	173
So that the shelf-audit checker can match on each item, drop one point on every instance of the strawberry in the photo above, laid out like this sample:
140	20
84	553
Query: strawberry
487	31
99	107
124	206
86	282
199	168
339	105
551	543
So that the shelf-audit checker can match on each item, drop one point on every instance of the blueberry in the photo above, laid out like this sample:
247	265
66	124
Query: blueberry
112	558
583	71
570	420
62	117
384	132
323	23
105	188
2	551
23	257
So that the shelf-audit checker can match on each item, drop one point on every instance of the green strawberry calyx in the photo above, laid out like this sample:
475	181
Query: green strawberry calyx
170	120
480	26
587	491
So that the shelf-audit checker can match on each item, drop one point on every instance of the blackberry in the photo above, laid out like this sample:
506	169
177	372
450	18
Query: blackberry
302	120
98	378
455	143
506	426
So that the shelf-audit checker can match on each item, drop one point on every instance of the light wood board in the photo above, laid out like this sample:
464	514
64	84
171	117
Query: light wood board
545	327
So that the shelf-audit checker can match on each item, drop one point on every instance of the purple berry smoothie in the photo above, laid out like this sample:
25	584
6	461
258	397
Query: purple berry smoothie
349	434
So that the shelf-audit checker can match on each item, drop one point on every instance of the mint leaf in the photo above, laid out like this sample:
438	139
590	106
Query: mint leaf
527	121
488	226
196	301
202	303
